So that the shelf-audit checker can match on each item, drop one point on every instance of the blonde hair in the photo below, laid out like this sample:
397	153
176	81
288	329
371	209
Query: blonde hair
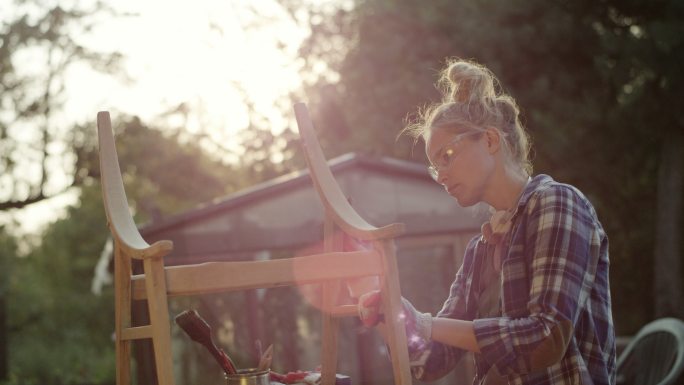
473	101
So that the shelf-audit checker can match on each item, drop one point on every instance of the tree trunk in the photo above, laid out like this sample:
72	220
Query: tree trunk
4	357
669	299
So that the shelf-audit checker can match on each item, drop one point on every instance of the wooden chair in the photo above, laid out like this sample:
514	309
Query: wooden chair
329	269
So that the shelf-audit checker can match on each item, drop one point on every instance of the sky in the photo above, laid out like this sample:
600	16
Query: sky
208	54
200	52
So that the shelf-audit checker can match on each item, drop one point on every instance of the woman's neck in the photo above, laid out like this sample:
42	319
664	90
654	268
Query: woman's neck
505	189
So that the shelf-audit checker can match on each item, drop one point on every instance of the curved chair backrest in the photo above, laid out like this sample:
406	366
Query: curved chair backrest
655	355
346	218
330	193
116	205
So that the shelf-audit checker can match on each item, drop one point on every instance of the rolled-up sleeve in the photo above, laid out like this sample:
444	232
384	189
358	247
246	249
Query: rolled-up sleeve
558	229
434	360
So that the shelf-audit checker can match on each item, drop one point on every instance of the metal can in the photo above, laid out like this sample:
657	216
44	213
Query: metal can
251	376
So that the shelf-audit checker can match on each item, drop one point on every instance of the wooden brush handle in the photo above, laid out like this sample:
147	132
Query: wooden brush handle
222	358
200	331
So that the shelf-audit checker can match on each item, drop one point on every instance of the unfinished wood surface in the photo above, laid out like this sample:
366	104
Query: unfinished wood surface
128	245
343	214
159	319
216	277
330	326
330	323
329	191
137	333
122	316
392	307
118	213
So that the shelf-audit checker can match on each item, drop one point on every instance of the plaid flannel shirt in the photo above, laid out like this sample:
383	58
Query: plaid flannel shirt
556	325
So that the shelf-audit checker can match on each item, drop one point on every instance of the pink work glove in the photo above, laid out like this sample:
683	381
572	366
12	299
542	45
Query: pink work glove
418	325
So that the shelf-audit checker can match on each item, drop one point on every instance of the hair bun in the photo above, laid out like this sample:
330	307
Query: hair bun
473	101
467	82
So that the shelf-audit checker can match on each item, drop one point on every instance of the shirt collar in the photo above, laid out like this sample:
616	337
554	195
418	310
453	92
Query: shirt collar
536	183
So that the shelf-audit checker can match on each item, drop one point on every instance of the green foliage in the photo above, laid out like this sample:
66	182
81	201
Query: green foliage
161	174
61	333
266	155
164	177
8	253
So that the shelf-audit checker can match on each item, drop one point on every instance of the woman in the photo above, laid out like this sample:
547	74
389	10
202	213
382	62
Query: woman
531	299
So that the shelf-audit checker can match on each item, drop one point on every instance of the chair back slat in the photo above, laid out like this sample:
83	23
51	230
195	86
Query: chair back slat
220	277
116	205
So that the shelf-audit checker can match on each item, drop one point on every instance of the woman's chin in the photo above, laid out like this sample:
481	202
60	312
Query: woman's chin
464	201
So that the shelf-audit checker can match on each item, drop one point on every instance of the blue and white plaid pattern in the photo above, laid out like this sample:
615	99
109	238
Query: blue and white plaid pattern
555	276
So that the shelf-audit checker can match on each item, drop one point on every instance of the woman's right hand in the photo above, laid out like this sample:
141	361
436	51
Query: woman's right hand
418	325
369	308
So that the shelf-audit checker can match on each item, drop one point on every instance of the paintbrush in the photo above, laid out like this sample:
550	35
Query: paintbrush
200	331
266	359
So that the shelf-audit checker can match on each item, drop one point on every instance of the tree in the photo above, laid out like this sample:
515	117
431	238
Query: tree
592	79
8	252
37	49
60	331
645	51
152	161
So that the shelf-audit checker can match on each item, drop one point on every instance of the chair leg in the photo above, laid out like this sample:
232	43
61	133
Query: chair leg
123	366
155	284
330	333
396	333
122	309
329	299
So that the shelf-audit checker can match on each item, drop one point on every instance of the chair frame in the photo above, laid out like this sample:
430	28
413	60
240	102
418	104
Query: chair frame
673	326
331	268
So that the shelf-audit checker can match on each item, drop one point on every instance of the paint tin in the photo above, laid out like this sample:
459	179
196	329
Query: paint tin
251	376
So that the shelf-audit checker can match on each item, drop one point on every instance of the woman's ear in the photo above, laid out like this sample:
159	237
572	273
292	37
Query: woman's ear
493	138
